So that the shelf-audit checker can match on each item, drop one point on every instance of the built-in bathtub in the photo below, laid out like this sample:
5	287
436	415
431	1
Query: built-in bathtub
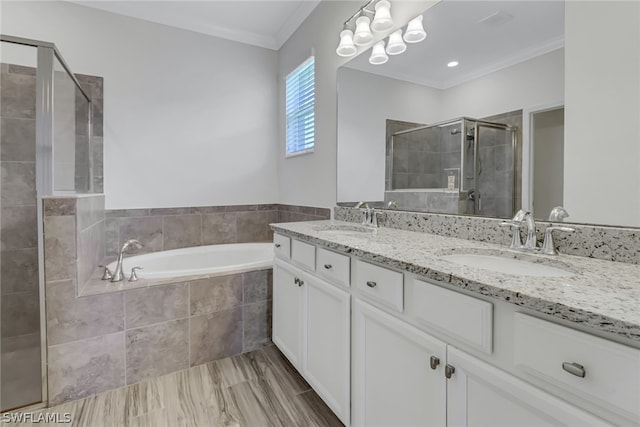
213	260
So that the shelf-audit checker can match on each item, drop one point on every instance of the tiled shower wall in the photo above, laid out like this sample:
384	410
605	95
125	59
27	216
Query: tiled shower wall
19	239
173	228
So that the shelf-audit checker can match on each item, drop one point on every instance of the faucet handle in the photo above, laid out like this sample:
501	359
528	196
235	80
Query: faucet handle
134	276
106	274
516	241
548	247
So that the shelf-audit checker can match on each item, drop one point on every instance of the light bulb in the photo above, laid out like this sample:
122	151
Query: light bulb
346	46
378	55
415	32
382	19
396	46
363	35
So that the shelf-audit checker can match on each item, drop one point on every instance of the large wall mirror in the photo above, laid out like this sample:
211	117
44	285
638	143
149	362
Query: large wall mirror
541	110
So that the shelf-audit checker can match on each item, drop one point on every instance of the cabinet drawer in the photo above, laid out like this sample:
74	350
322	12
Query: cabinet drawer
465	318
560	356
303	254
379	284
333	266
282	246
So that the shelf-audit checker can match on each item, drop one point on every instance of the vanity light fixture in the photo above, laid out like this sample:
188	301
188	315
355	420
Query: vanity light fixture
453	64
382	20
396	45
346	46
415	31
378	55
362	35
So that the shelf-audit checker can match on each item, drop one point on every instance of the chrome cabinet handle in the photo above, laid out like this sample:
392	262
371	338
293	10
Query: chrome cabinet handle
574	369
372	284
434	362
328	266
296	281
300	282
277	245
449	370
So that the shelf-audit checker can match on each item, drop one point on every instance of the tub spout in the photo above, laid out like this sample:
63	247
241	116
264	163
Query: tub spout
118	276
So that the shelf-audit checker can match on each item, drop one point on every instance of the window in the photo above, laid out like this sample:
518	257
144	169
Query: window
300	106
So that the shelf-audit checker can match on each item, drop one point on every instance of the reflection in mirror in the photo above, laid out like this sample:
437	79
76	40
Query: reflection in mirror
511	72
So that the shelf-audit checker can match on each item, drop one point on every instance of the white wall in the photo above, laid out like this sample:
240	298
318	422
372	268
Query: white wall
190	120
365	102
602	124
311	179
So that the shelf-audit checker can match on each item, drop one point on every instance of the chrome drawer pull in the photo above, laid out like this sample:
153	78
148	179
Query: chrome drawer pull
449	370
372	284
574	369
277	245
300	282
328	266
434	362
296	281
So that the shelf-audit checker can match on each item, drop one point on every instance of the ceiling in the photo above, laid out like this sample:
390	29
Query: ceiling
484	36
263	23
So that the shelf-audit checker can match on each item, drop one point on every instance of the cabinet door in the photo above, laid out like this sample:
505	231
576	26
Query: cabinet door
327	344
480	395
288	296
393	383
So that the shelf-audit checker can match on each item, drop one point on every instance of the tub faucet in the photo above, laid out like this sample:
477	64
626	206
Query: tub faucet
117	275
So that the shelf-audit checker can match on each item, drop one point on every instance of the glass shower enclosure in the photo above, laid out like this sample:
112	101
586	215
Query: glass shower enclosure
45	146
460	166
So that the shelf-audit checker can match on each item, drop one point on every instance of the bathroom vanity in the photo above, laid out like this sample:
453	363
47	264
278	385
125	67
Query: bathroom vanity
390	329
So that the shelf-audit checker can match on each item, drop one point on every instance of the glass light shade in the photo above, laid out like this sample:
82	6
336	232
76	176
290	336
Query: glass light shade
396	46
346	46
415	32
363	35
382	19
378	55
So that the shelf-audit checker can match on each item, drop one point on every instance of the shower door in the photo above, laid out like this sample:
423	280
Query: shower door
494	170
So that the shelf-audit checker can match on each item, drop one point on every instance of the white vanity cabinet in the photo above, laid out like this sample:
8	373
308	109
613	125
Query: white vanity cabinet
479	394
397	372
311	325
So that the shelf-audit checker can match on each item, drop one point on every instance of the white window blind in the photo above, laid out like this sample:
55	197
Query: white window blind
300	108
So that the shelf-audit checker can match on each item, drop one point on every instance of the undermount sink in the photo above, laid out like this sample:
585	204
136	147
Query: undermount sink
501	264
347	229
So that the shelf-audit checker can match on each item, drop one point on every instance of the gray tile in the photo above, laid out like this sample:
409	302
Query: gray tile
111	236
182	231
257	325
83	368
90	251
70	318
89	211
156	304
60	247
19	227
252	227
19	270
18	92
18	138
147	230
20	314
98	155
172	211
124	213
215	294
218	228
157	350
258	285
59	206
216	335
18	186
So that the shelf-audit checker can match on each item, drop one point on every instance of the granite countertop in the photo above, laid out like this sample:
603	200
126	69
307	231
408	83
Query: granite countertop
602	295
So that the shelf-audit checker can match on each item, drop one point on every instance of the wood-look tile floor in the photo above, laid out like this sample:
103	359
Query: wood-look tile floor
258	389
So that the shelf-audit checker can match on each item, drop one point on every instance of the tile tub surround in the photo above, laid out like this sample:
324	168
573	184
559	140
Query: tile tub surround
101	342
173	228
603	296
617	244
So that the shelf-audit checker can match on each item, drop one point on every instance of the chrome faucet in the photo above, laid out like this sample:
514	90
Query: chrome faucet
392	205
548	247
520	218
117	275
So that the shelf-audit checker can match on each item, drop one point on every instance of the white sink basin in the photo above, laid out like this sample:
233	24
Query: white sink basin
516	267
